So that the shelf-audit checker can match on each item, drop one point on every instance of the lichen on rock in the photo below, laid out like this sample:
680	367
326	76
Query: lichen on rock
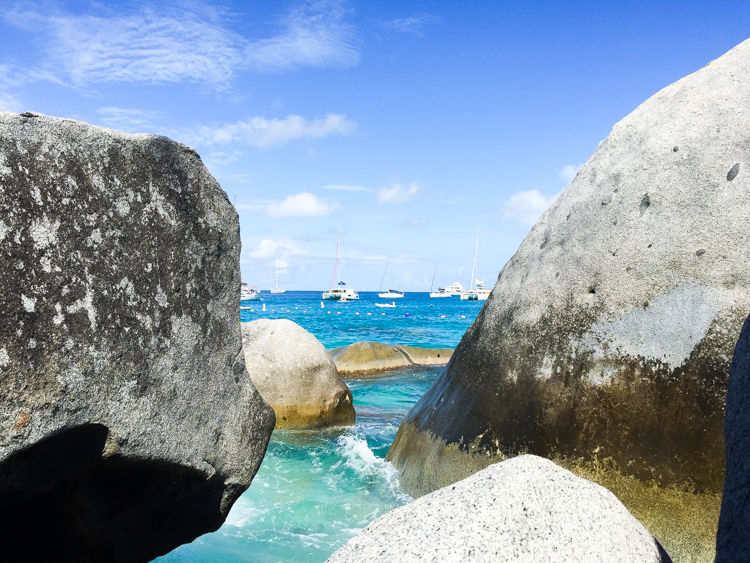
128	423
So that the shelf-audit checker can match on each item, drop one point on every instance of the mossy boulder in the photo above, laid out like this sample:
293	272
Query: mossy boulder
294	373
607	339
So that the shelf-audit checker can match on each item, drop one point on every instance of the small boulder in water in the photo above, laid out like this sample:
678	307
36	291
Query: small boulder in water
524	509
293	372
370	358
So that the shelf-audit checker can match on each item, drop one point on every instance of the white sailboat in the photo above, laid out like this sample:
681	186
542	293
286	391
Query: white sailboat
479	293
276	288
249	293
392	293
339	290
441	290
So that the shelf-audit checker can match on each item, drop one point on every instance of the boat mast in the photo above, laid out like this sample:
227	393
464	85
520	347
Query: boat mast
336	261
474	266
276	281
384	273
434	273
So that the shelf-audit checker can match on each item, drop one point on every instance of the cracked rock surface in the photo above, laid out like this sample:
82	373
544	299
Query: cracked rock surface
128	423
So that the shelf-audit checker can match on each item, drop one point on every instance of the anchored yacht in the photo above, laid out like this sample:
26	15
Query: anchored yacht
339	290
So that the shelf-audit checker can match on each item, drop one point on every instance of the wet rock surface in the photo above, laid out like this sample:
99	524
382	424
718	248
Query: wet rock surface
523	509
294	373
128	424
733	538
367	359
609	334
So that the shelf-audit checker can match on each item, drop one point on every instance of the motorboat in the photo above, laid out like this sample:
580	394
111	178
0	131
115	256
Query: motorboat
249	293
386	305
339	290
392	293
454	289
276	288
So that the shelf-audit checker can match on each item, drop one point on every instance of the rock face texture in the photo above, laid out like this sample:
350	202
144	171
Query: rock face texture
733	539
524	509
128	423
370	358
609	333
294	373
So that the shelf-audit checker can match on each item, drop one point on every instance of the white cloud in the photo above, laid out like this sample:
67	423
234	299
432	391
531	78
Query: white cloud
398	194
270	248
304	204
569	172
263	133
171	45
344	188
128	119
414	24
526	207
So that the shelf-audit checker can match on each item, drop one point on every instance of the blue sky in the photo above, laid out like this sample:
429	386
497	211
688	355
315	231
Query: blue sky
410	124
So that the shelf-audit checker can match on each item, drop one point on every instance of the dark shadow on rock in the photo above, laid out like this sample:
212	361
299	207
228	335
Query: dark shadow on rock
733	537
60	500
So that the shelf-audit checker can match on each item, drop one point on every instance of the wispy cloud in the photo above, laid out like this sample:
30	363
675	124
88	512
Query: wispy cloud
314	35
526	207
128	119
569	172
345	188
303	204
9	103
418	223
173	45
398	193
264	133
414	24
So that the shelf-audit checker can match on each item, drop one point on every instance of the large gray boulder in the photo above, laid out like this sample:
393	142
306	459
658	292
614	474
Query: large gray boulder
128	423
608	335
733	538
295	374
526	509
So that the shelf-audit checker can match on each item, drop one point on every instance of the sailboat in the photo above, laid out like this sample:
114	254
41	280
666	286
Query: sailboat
479	293
441	290
249	293
392	293
276	288
339	290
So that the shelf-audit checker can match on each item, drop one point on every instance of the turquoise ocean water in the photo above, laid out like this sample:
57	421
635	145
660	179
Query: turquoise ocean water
315	490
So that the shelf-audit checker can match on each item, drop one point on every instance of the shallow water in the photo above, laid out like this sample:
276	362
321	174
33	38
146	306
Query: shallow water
316	490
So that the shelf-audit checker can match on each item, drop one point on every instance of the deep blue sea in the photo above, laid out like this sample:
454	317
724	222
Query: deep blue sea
315	490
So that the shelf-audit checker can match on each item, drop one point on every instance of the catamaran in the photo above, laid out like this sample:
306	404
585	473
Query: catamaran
479	293
249	293
276	288
441	290
339	290
392	293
